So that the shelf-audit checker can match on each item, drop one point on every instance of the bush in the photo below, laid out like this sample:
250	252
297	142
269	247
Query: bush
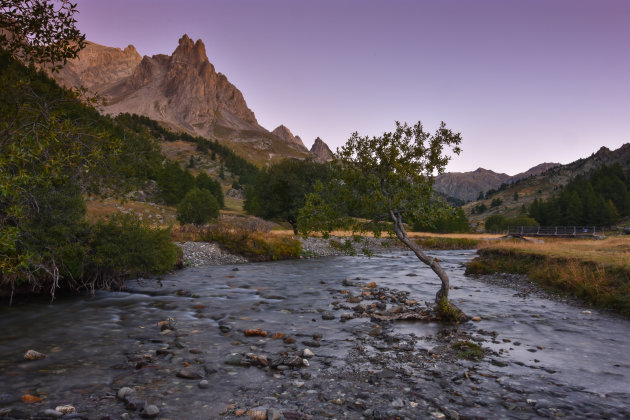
204	182
124	247
197	207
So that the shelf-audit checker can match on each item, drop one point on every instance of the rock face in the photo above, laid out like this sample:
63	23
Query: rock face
285	134
98	67
182	90
321	151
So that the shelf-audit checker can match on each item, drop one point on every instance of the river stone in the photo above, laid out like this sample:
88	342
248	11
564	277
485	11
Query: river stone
53	413
204	384
476	318
307	353
188	374
149	411
34	355
125	393
65	409
233	359
273	414
327	316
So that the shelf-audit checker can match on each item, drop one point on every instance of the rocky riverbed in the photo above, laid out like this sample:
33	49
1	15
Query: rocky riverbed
197	254
313	339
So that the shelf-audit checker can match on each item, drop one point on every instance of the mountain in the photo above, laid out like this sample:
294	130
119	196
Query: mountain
182	91
285	134
467	185
321	151
515	198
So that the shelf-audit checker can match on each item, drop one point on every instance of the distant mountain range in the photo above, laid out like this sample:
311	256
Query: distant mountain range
466	186
520	193
182	91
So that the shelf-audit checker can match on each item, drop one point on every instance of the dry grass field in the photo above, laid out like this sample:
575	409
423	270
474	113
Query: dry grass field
611	252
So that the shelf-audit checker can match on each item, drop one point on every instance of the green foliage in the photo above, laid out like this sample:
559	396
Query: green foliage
447	221
281	189
496	202
125	247
601	199
229	160
204	182
468	350
381	178
40	31
479	208
174	182
198	207
53	150
346	246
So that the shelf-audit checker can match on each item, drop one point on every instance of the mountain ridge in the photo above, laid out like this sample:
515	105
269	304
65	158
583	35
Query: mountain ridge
183	91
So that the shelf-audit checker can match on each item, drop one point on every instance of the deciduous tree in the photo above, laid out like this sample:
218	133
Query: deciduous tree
390	178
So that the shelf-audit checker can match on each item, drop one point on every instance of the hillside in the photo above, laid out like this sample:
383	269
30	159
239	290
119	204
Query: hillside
183	92
516	197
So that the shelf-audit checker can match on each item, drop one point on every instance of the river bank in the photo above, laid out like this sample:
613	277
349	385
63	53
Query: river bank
596	272
244	330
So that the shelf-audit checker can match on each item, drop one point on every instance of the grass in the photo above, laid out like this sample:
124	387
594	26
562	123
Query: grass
155	214
612	252
597	272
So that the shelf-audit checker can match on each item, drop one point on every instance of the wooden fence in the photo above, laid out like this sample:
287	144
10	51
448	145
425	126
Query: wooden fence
557	231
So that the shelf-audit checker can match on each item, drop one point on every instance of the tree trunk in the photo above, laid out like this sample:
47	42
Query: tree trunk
401	233
293	222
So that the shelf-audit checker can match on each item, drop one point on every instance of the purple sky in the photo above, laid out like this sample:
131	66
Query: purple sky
525	82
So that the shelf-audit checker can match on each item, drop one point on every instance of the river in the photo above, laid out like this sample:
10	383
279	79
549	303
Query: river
543	357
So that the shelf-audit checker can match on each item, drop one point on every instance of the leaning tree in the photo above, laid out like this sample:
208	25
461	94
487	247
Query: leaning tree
381	181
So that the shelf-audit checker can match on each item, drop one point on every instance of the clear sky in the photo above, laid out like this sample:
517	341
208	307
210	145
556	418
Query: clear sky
524	81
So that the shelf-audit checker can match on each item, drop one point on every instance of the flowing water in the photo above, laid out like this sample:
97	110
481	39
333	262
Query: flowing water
543	357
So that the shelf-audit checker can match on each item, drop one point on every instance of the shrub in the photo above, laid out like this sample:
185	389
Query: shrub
123	246
197	207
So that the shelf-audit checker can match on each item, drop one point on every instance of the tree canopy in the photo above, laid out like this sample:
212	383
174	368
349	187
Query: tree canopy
40	31
599	199
388	178
280	190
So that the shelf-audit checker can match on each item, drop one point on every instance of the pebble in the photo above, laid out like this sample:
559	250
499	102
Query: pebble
233	359
327	316
149	411
34	355
125	393
307	353
188	374
204	384
273	414
53	413
196	254
65	409
476	318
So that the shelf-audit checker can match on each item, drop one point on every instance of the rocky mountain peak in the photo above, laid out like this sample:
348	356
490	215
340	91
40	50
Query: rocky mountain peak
190	52
321	151
283	133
